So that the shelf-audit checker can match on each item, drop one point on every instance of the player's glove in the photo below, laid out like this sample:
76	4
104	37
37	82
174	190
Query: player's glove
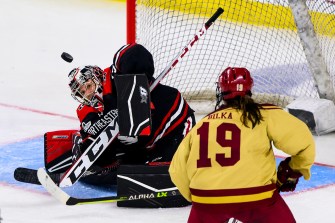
287	179
127	140
76	146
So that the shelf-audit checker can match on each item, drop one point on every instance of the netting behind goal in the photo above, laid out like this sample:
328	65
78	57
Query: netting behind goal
259	35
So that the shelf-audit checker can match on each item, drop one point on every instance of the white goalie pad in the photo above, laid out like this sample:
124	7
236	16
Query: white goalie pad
318	114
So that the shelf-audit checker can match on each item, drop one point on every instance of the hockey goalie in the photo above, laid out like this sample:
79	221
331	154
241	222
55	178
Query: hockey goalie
152	124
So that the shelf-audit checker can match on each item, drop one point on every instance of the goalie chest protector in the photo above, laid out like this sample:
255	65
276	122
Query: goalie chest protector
133	103
137	179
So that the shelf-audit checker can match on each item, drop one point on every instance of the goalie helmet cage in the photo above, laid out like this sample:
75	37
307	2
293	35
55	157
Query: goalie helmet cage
289	54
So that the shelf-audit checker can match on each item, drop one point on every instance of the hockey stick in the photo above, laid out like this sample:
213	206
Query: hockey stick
66	199
94	151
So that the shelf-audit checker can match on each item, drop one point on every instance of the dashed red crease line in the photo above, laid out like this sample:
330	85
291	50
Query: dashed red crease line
308	190
316	163
313	188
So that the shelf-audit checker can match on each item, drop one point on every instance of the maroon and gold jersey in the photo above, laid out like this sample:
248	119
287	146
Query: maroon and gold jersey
222	161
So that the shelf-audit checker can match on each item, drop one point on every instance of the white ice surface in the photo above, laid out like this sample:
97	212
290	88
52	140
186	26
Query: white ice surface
35	99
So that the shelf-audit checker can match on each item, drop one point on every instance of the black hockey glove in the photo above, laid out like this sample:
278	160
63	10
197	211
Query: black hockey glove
76	147
287	179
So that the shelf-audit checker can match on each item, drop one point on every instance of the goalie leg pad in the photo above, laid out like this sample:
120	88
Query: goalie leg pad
142	179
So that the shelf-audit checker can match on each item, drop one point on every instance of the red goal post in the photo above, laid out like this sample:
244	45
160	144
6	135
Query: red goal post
131	21
260	35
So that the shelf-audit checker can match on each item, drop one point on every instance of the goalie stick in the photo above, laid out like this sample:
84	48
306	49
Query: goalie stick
93	152
66	199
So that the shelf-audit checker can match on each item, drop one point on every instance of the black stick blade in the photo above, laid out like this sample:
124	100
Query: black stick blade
26	175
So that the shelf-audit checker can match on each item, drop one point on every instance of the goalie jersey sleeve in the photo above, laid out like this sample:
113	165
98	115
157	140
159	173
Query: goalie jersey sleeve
170	114
222	161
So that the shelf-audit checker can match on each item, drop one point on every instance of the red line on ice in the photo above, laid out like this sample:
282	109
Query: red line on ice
37	111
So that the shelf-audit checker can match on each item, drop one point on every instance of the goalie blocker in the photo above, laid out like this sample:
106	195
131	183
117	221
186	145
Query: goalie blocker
145	179
133	103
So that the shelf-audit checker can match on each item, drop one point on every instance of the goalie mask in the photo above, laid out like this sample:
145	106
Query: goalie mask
85	85
233	82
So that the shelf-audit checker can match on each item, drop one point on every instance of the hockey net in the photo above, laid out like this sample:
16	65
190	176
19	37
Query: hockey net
259	35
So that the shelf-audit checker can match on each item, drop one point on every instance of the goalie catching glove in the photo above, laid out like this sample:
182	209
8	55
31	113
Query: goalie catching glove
287	179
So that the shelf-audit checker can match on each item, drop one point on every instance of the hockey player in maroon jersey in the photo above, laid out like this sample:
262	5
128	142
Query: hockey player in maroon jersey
226	166
95	89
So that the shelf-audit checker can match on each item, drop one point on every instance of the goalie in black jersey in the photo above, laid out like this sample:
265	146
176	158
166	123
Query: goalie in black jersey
151	127
171	115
